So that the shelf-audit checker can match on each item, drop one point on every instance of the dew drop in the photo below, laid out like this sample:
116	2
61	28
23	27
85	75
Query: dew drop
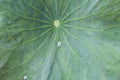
56	23
59	44
25	77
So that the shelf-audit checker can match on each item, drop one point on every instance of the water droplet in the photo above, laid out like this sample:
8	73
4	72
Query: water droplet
59	44
56	23
25	77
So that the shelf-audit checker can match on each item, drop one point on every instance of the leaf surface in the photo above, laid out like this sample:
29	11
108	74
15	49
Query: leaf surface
59	39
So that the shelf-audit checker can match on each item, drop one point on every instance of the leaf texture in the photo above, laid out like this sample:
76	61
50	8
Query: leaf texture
84	43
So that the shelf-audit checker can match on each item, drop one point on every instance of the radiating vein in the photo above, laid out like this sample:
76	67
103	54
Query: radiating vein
34	52
53	10
27	29
80	28
74	10
66	65
60	8
110	27
65	9
95	30
86	46
26	17
91	15
46	9
27	58
38	10
28	41
73	51
23	43
90	48
56	8
49	62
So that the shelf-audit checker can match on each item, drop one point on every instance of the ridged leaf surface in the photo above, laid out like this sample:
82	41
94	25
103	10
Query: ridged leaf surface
59	39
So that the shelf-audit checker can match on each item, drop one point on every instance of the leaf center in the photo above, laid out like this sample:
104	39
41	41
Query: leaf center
56	23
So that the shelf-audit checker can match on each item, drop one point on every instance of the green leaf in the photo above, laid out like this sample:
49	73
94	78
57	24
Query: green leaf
59	39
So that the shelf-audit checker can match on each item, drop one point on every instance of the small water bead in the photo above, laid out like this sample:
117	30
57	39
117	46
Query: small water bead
59	44
56	23
25	77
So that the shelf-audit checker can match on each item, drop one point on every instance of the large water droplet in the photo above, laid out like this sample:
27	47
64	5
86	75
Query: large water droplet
59	44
